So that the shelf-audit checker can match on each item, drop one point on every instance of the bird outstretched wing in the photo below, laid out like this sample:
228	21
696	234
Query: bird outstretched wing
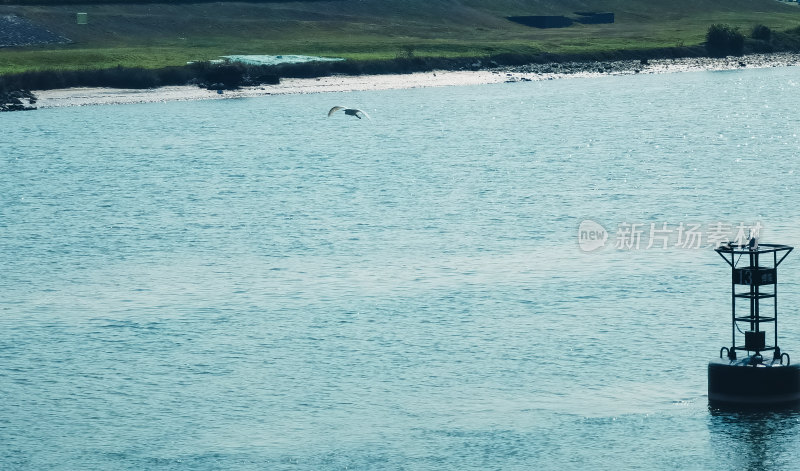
335	109
360	113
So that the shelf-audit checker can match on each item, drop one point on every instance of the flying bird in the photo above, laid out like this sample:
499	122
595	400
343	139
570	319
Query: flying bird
349	111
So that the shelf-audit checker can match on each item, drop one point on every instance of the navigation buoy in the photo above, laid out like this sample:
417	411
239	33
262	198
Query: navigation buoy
763	375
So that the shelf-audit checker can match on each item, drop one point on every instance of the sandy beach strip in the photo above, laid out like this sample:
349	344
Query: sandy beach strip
287	86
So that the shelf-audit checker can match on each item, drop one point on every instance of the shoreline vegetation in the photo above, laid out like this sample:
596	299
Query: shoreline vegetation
82	96
721	40
724	44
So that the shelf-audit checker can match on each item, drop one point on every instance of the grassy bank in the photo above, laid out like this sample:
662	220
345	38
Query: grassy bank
234	75
161	35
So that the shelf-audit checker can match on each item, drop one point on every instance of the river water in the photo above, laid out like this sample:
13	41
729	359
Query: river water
248	284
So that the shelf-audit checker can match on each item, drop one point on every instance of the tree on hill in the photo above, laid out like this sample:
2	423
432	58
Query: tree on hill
723	40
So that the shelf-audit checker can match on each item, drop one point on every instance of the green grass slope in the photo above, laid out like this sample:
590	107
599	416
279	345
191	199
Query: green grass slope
171	33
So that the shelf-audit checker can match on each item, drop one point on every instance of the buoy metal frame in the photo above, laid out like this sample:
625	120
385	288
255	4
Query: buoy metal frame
754	276
753	380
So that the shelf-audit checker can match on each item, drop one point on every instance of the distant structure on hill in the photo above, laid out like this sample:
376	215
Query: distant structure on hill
542	21
584	17
594	18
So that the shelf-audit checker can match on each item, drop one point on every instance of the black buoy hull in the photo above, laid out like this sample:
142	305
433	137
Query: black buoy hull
737	384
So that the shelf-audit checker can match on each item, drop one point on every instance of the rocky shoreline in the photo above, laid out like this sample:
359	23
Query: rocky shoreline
17	100
486	74
654	66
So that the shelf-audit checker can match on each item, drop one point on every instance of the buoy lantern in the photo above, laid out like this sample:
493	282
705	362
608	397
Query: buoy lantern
753	371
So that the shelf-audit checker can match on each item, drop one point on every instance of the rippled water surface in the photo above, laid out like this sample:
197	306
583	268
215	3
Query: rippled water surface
247	284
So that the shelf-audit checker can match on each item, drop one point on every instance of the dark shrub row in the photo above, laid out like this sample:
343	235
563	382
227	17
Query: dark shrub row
204	74
766	40
788	39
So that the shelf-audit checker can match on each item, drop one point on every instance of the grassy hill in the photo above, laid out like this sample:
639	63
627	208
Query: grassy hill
171	33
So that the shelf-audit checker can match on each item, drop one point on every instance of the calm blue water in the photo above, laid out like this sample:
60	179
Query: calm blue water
247	284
